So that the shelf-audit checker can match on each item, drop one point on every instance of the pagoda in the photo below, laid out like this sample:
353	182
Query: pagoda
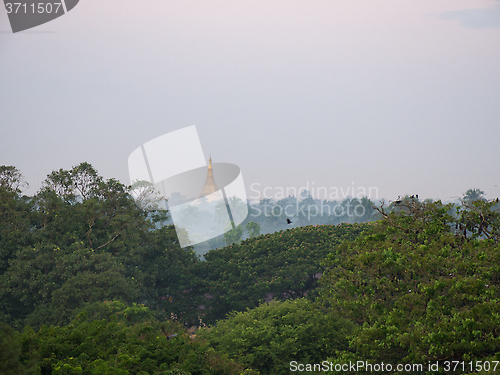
210	186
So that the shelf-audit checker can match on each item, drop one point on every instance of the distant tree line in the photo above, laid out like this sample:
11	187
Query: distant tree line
269	216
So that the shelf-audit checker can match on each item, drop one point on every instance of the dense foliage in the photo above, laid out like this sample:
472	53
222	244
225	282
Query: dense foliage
92	282
82	239
11	361
113	345
282	265
272	335
422	285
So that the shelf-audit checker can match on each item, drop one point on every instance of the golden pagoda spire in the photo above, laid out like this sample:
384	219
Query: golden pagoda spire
210	186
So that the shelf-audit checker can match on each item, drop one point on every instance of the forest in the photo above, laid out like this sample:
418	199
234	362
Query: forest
92	282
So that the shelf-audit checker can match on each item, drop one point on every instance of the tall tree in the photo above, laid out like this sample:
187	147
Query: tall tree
11	178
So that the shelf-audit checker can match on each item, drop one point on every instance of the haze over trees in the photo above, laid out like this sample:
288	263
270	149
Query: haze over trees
271	216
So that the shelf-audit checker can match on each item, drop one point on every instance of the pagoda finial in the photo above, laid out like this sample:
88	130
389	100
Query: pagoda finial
210	186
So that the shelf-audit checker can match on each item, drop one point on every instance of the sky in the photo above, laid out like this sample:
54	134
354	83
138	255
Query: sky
398	96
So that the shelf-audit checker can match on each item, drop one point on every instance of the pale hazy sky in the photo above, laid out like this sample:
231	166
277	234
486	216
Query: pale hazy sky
399	95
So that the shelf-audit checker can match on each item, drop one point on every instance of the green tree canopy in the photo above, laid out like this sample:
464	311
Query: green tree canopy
83	239
113	345
418	289
282	265
267	338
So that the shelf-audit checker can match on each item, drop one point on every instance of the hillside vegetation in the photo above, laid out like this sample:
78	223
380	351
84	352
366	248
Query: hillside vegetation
90	283
423	285
282	265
